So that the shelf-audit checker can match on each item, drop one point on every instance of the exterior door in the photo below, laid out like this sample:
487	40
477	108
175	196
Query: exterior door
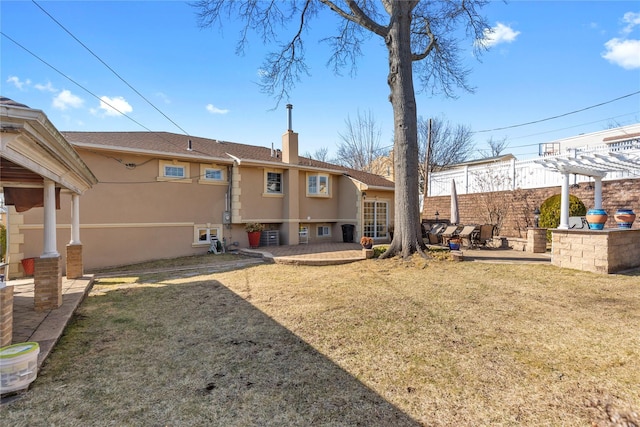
376	219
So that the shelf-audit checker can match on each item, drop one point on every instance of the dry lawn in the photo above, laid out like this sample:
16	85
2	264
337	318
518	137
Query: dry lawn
374	343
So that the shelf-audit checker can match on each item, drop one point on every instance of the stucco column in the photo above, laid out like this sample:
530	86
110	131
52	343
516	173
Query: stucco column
49	245
597	193
74	248
75	220
564	202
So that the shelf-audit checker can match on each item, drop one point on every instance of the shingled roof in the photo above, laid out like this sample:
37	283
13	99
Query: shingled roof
167	144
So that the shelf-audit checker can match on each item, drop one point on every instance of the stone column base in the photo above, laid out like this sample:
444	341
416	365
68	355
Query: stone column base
75	268
48	284
6	316
537	240
368	253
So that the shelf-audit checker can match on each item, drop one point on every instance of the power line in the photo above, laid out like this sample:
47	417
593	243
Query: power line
74	82
91	93
109	68
569	127
560	115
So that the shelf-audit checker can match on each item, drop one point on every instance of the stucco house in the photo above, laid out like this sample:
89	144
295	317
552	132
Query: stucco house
162	195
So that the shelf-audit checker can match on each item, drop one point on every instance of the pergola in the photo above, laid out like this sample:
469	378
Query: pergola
592	164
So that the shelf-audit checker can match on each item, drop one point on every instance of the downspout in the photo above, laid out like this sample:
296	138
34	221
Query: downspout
227	198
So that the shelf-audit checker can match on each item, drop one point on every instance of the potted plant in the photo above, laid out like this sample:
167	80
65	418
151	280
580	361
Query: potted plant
366	242
254	230
455	243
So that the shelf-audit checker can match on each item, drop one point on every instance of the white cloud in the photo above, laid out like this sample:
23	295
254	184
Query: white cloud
20	84
625	53
65	99
46	88
215	110
499	34
115	106
631	19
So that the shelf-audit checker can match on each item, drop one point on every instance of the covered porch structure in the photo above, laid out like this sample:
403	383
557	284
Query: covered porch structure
37	163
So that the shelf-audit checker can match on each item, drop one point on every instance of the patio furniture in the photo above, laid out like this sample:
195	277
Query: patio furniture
577	222
484	235
448	233
433	234
466	235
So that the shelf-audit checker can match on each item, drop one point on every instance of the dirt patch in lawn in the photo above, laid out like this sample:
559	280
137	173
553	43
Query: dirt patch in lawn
371	343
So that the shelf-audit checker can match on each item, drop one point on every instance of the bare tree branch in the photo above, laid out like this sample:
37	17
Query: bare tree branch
360	144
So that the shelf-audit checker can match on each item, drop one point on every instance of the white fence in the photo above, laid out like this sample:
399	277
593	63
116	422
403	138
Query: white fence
523	174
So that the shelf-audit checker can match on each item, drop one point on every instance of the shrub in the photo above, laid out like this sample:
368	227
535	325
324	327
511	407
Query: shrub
550	211
253	226
365	241
379	250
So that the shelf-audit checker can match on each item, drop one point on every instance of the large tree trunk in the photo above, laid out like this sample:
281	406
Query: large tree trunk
407	237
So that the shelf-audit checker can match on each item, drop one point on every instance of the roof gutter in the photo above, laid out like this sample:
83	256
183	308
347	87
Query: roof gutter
162	154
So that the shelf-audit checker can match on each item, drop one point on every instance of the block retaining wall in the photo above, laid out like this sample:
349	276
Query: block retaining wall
624	193
599	251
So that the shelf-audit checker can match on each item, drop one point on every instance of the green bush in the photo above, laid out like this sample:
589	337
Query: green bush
550	211
379	250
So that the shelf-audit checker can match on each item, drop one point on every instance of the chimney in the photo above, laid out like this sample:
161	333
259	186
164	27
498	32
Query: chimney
289	141
189	146
289	108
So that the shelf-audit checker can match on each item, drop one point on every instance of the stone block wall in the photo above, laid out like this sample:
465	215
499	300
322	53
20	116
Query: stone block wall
473	208
599	251
6	315
47	283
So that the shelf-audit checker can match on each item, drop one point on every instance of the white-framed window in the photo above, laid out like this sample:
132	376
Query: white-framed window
273	181
376	219
323	231
204	234
174	171
212	174
317	184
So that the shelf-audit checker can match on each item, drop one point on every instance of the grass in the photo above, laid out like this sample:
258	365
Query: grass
371	343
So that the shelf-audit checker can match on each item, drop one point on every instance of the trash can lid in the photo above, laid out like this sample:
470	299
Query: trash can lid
18	349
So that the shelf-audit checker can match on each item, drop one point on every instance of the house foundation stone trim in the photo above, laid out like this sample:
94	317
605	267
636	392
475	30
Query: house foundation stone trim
74	262
6	315
47	283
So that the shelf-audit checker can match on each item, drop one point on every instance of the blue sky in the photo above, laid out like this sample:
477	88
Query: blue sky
546	58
